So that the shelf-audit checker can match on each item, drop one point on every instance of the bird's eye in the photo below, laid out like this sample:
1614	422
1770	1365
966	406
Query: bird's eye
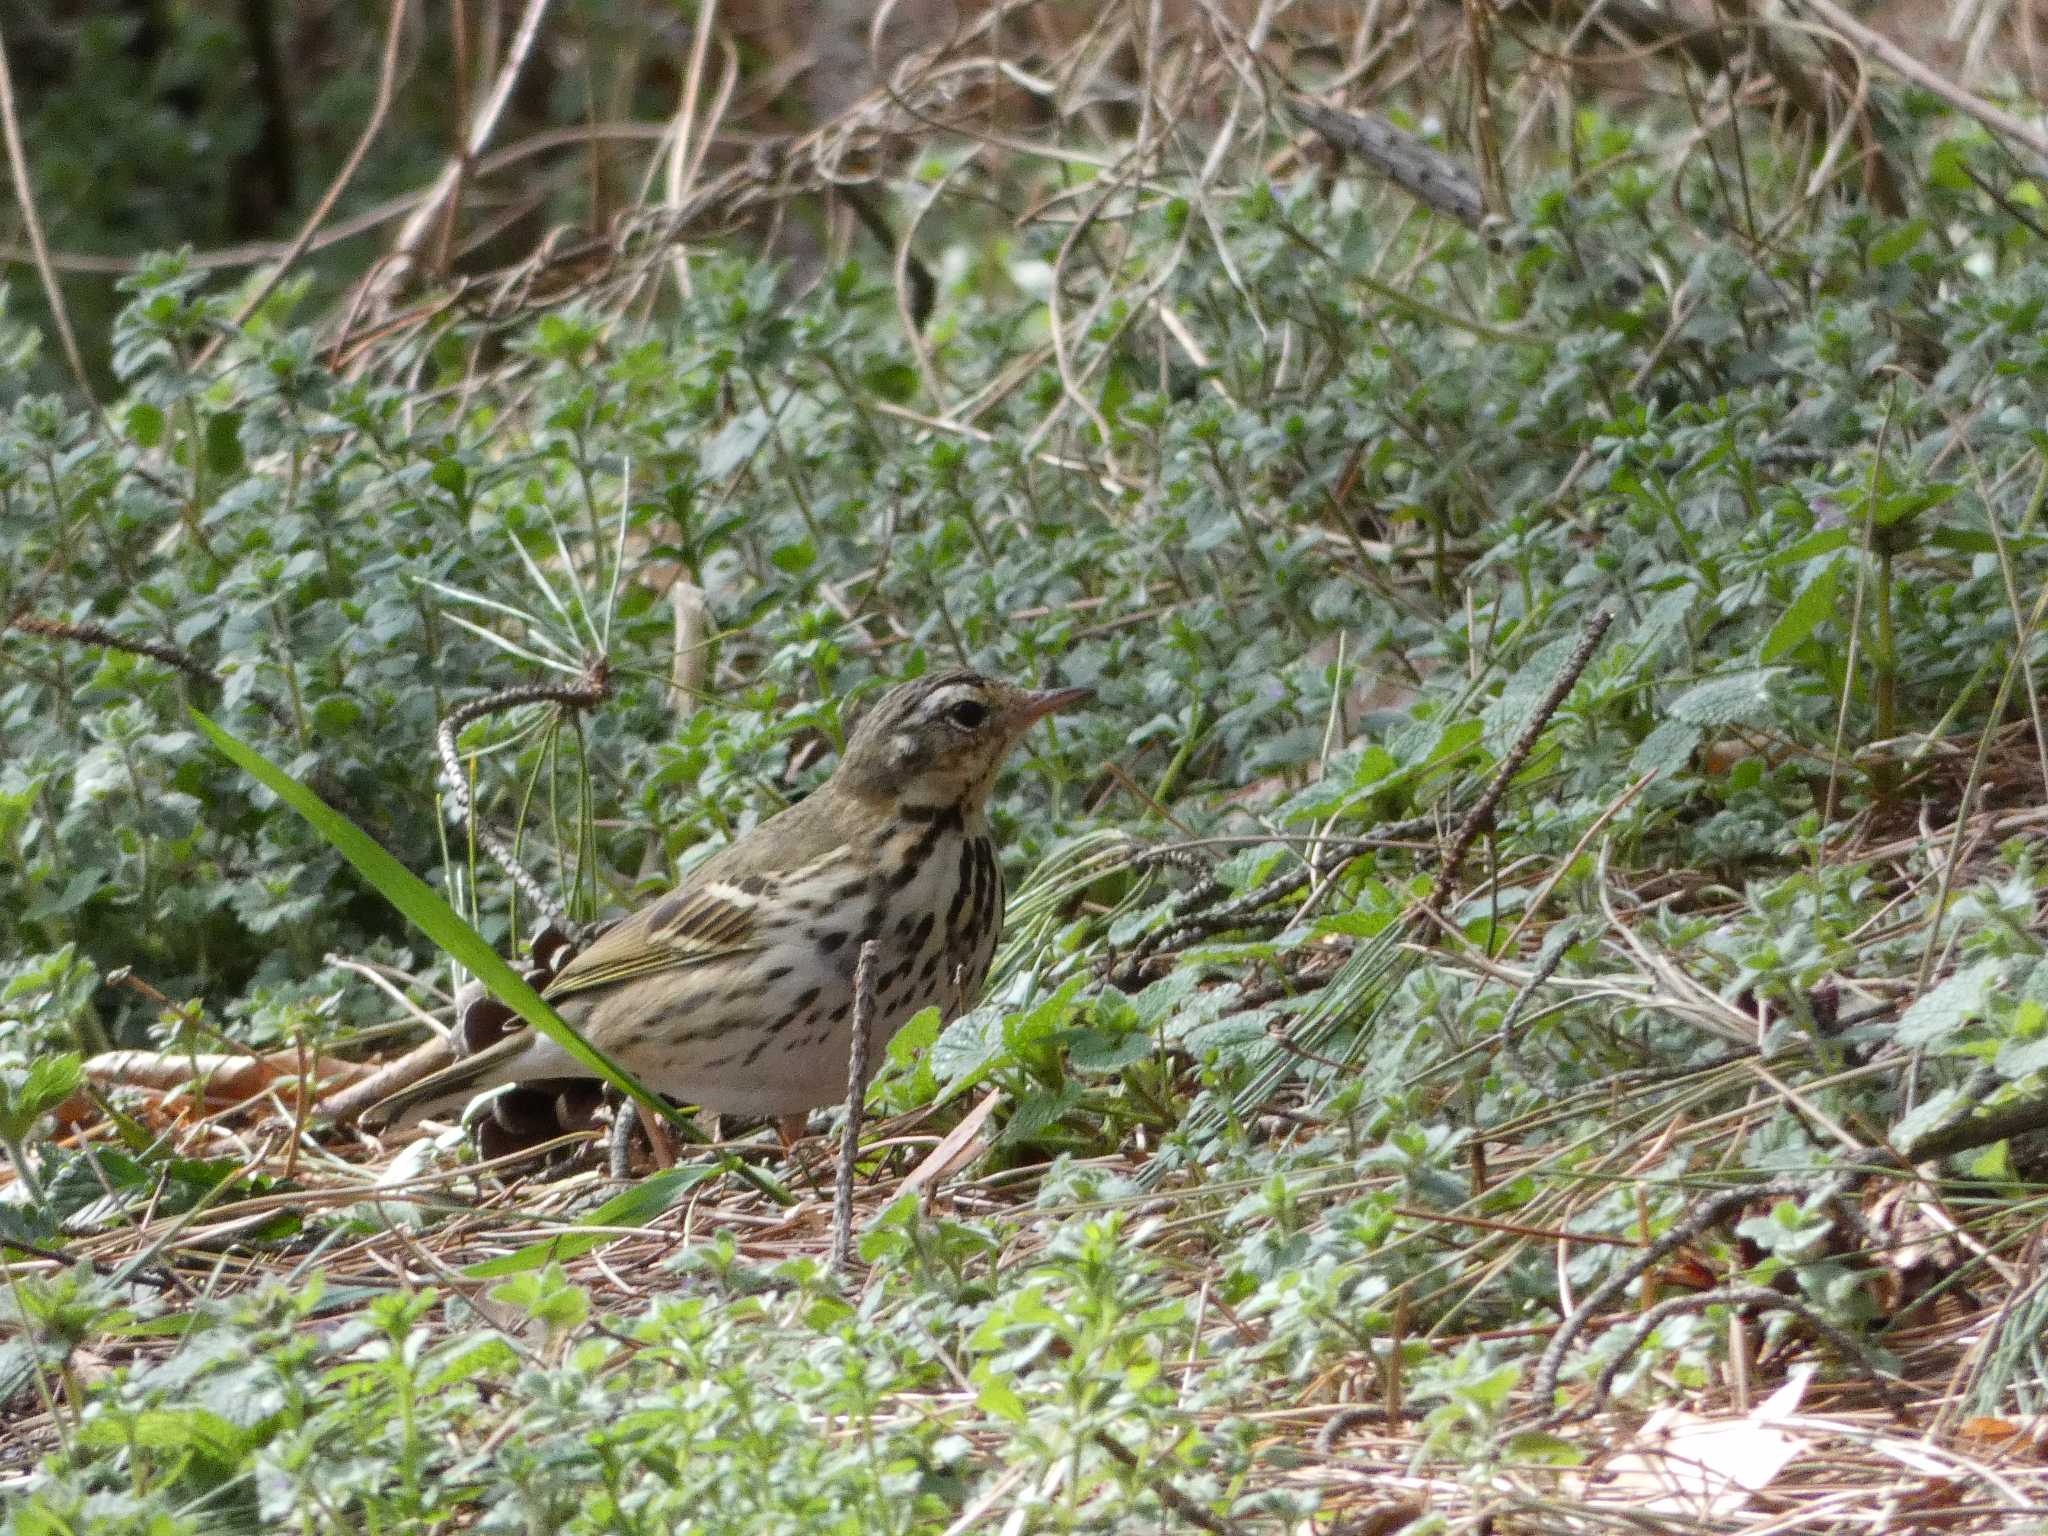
968	714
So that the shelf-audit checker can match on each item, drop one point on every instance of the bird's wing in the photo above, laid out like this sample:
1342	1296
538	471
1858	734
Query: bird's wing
712	920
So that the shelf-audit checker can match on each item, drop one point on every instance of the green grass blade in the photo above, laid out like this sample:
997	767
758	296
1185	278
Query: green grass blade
432	916
637	1207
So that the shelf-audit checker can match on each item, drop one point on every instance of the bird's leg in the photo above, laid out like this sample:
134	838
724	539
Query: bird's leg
659	1141
619	1145
619	1148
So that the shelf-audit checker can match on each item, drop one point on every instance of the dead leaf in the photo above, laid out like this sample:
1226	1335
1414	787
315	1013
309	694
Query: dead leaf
1706	1467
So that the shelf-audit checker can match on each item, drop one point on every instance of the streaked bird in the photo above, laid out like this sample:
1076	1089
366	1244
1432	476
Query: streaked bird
735	991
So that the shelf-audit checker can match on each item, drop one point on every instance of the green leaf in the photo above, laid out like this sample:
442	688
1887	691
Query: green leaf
2017	1059
1930	1115
635	1208
893	381
145	424
336	715
1962	541
1038	1112
17	1366
52	1080
1544	1449
1733	700
432	916
174	1431
84	884
1994	1164
1898	506
49	1081
1948	1006
1945	167
224	443
1822	541
995	1396
1667	749
794	558
1813	605
1491	1389
547	1297
1101	1051
450	475
1359	923
907	1045
1897	243
968	1048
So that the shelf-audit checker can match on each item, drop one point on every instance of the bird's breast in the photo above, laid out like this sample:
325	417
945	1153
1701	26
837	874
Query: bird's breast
767	1030
934	912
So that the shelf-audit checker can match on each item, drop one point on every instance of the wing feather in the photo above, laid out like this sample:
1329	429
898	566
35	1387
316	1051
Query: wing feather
717	915
712	921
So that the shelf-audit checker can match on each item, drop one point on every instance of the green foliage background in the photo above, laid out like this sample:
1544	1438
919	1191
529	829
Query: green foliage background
1320	545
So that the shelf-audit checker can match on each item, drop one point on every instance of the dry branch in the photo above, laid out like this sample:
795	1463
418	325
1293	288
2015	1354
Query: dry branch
1424	173
225	1079
856	1104
1481	815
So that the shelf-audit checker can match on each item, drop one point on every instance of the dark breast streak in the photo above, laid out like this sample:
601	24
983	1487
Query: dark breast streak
973	917
932	900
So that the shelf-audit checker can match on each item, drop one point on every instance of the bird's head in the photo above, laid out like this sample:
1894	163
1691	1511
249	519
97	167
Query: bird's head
939	740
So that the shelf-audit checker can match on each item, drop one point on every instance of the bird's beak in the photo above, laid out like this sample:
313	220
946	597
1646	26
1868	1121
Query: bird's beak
1030	706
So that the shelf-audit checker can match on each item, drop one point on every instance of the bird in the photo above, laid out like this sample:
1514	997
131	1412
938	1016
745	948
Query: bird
735	991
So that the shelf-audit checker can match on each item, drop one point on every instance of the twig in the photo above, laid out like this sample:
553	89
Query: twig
345	1104
99	634
1190	914
619	1151
1972	1124
1543	972
856	1103
1347	1418
380	107
690	133
1709	1212
389	988
1564	866
1481	815
1997	119
24	199
1728	48
1183	1506
688	665
923	289
403	256
168	1280
591	690
156	650
1846	1344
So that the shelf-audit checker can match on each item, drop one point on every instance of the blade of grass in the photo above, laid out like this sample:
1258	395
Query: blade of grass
462	943
440	922
637	1207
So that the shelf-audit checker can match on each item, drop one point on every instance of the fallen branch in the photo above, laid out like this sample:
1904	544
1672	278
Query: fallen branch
226	1079
349	1102
1480	817
1708	1213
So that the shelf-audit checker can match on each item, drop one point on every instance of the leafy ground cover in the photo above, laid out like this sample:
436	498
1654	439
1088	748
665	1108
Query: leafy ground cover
1540	929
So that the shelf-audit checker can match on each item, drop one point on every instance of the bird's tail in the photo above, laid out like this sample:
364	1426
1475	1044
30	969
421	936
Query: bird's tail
450	1088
